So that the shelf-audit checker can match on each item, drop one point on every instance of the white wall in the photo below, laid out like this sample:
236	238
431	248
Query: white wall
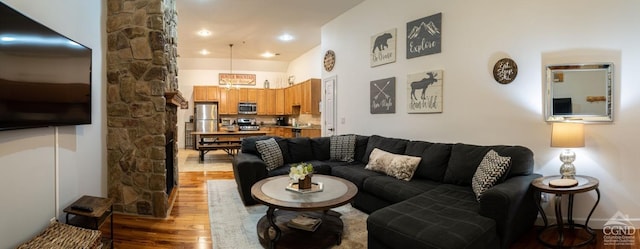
307	66
27	157
477	109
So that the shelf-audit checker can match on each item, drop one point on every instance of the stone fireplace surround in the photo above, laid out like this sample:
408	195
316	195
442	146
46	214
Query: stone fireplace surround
142	104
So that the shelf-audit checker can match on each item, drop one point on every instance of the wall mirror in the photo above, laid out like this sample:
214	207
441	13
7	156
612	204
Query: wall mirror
580	92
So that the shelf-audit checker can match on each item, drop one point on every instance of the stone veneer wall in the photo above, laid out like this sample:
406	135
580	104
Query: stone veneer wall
141	68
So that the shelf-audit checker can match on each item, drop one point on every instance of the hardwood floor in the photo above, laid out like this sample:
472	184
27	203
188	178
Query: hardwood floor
188	224
186	227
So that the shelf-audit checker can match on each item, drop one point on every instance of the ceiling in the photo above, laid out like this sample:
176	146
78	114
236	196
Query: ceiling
253	26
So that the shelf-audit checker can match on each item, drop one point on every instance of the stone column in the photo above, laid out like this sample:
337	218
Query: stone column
141	67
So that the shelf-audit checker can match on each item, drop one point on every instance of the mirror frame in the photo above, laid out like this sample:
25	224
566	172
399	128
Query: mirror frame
608	91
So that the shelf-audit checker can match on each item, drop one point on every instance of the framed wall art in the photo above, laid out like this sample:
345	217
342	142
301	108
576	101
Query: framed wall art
383	48
424	92
424	36
237	79
383	96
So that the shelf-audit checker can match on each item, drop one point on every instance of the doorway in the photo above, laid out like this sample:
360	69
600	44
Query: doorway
330	115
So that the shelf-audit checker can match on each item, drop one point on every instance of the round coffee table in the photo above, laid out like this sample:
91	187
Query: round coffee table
272	228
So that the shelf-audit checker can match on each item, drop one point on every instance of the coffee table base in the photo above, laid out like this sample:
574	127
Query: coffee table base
329	233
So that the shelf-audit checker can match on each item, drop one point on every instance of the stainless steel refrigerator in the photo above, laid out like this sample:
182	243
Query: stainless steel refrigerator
206	118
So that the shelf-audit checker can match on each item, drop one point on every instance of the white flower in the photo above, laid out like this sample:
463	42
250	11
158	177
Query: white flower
300	171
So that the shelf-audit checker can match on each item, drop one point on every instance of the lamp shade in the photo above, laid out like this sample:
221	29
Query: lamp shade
567	135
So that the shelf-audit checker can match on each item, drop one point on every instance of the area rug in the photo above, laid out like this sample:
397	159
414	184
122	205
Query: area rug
233	225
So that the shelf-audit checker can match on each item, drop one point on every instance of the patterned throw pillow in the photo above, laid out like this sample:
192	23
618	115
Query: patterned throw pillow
343	148
491	169
270	153
398	166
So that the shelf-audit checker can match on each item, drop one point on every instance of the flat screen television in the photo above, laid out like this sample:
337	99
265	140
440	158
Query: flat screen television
45	77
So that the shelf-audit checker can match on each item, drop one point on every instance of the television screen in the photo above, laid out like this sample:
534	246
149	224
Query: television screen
45	77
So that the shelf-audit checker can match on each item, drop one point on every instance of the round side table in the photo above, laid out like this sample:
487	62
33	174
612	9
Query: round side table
585	184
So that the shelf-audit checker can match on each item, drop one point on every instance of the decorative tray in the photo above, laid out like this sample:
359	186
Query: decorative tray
315	187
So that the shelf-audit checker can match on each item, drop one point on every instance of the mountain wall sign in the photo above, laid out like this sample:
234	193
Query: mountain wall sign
424	36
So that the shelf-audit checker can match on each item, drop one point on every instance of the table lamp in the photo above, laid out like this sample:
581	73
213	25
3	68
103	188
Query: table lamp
567	135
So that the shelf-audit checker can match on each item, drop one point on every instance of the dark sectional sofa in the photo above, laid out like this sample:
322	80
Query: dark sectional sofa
437	208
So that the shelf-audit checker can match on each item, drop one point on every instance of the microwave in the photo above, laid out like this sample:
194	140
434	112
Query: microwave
247	108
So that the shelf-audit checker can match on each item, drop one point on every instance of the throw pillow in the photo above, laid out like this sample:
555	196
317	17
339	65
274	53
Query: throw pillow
399	166
270	153
491	169
343	148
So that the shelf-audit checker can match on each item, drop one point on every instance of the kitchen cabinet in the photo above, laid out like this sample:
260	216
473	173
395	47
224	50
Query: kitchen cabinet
228	103
271	101
310	133
280	101
262	102
288	101
248	95
311	94
205	94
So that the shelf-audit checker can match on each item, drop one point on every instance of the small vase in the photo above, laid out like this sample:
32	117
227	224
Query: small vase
304	183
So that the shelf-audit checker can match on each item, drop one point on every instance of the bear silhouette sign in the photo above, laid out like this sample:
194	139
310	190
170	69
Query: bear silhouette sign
383	48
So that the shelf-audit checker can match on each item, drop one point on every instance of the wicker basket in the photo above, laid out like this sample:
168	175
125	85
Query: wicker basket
63	236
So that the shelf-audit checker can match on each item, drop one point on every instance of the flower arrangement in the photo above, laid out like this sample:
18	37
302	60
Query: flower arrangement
300	171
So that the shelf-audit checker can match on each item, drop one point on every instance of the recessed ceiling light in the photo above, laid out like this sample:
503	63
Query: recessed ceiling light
268	55
204	32
286	37
204	52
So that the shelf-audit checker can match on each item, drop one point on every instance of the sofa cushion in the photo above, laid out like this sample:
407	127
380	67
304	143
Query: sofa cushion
401	167
391	145
465	159
270	153
320	147
343	148
319	167
361	147
354	173
394	190
491	169
435	157
445	217
299	149
248	145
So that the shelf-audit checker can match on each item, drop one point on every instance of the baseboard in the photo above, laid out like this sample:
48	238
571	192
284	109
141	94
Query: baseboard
593	223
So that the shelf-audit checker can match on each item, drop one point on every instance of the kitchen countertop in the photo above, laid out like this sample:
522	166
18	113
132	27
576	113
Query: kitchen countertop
293	127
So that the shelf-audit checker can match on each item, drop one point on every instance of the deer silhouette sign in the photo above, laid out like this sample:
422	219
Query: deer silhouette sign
423	84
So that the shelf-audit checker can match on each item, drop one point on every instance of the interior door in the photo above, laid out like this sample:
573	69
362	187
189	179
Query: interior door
329	112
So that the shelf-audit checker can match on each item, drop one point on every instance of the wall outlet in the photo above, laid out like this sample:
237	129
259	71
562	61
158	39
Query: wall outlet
343	120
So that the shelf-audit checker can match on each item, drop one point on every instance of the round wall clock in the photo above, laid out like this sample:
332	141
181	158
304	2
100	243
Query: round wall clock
329	60
505	71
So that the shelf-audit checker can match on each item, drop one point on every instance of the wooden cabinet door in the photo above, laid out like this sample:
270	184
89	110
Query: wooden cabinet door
305	106
280	101
252	95
261	102
310	132
297	94
288	100
199	93
243	94
232	101
222	103
270	101
213	93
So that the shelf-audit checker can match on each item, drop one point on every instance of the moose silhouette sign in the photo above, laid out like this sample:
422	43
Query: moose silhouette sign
424	92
